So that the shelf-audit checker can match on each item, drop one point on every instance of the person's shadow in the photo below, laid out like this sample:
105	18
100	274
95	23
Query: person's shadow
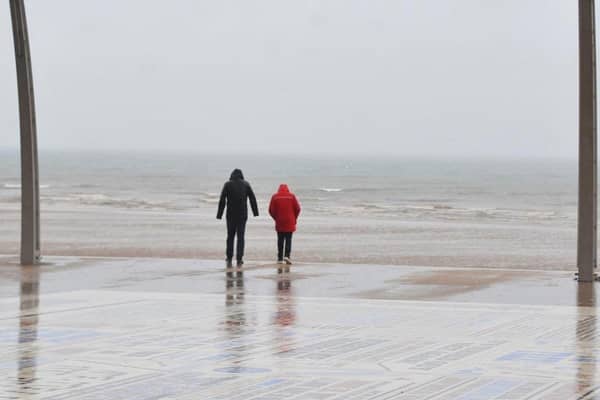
28	327
585	337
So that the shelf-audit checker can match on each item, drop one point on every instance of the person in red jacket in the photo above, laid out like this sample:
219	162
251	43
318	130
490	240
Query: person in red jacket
284	208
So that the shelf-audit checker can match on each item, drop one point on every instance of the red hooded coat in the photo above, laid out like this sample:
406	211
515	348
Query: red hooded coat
284	208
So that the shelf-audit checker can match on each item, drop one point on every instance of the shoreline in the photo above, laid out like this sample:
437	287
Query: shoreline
53	260
419	261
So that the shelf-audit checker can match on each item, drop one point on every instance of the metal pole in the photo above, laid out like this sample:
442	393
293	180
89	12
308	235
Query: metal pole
587	211
30	211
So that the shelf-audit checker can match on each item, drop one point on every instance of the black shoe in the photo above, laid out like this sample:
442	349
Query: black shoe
229	263
240	263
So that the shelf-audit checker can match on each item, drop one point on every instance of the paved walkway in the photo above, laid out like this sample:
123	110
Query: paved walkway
182	329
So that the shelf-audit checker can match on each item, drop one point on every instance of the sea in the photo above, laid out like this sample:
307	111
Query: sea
476	212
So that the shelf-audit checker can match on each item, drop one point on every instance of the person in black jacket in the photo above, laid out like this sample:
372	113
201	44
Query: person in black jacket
235	195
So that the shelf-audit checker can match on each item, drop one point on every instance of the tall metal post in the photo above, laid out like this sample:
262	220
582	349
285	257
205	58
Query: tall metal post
30	211
587	211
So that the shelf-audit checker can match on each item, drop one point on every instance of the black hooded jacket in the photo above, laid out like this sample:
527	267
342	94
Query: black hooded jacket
235	194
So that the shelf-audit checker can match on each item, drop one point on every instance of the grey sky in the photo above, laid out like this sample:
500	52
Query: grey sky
442	77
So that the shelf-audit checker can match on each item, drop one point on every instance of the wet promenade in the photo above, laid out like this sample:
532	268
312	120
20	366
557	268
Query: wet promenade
182	329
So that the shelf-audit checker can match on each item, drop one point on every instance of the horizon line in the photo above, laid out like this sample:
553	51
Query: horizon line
297	153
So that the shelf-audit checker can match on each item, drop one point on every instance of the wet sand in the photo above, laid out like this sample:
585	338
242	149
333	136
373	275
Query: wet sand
89	231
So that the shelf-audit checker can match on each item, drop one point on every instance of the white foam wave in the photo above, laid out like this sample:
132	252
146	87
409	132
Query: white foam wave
99	199
441	212
209	200
330	190
18	186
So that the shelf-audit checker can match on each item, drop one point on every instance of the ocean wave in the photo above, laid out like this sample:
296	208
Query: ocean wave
11	186
314	199
85	186
331	190
209	200
18	186
441	212
210	197
99	199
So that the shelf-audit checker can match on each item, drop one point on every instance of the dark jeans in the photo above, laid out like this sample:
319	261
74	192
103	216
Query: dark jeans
235	228
284	238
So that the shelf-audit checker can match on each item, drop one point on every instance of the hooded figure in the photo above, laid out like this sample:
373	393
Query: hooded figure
284	209
235	195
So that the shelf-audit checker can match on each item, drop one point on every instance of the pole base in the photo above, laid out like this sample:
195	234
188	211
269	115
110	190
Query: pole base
596	278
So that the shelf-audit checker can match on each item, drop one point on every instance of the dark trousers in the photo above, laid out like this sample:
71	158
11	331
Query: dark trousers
235	228
284	239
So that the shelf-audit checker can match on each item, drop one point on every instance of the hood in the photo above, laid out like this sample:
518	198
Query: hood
283	188
236	174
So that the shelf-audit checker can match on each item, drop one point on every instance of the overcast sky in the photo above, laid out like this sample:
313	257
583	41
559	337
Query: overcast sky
413	77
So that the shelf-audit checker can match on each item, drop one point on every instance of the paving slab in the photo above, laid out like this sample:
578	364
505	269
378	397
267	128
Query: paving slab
190	329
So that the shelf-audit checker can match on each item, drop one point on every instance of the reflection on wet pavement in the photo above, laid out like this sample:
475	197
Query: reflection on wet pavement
28	327
192	330
585	336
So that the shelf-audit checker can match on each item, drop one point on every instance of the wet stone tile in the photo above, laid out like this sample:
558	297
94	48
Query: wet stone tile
154	344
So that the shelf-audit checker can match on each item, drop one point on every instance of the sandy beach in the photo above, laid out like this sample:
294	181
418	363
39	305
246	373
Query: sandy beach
88	231
482	213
